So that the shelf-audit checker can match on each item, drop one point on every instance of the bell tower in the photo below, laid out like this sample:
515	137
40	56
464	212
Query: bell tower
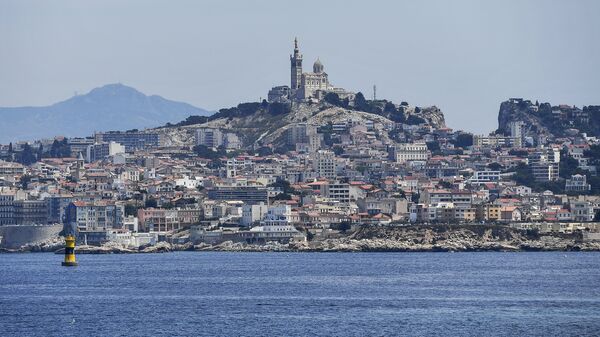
296	67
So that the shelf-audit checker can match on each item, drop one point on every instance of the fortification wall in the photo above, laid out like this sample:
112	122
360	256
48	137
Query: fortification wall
17	236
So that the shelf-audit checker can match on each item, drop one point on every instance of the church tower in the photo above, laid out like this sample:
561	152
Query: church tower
296	62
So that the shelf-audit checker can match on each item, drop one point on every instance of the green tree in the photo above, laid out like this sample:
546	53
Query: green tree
414	120
39	153
27	155
264	151
494	166
464	140
130	209
24	181
360	103
345	226
150	203
333	99
434	147
205	152
338	150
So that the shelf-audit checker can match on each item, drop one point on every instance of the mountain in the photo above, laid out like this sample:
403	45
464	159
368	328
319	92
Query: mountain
544	119
111	107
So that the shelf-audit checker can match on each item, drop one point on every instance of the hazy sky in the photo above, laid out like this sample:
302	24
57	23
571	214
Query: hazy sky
463	56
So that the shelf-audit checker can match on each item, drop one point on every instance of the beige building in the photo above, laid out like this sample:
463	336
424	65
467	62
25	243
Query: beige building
407	152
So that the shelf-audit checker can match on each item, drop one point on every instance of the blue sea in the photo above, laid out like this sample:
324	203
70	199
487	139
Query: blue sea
301	294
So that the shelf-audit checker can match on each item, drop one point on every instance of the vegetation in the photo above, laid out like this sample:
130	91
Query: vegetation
208	153
415	120
150	203
131	209
27	156
524	176
60	149
464	140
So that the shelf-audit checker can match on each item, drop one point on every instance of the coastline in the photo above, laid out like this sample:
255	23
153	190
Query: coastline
426	238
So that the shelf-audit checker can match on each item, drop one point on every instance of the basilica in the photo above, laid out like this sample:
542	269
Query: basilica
305	86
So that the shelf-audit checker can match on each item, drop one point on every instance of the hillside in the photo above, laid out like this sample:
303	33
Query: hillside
111	107
548	120
259	124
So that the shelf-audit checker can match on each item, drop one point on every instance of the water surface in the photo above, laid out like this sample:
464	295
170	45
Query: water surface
301	294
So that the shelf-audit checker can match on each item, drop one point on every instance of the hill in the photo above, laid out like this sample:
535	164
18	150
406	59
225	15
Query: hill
111	107
544	119
263	124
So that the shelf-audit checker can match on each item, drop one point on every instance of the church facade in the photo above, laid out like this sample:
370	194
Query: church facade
304	86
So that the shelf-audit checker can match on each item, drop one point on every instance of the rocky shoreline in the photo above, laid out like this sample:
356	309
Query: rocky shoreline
435	238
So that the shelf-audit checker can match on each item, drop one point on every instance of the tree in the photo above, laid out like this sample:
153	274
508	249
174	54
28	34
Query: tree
333	99
282	196
494	166
205	152
568	165
414	120
264	151
26	156
390	107
360	103
60	149
345	226
464	140
130	210
150	203
338	150
434	147
285	186
445	184
40	152
24	181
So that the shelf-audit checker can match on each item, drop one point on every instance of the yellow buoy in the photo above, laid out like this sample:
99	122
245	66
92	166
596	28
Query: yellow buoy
69	251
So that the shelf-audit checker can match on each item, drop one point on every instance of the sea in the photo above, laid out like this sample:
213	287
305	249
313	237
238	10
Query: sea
302	294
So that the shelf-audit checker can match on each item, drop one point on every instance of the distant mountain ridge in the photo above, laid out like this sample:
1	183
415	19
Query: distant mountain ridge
110	107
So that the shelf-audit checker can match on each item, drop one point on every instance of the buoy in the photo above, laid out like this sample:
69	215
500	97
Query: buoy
69	252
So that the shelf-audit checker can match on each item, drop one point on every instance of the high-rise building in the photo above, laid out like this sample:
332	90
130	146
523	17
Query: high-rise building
100	151
544	164
324	164
131	140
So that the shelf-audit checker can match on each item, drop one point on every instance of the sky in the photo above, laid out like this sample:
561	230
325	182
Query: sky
463	56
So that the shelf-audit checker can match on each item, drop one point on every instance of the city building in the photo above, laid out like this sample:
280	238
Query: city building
131	140
100	151
407	152
577	183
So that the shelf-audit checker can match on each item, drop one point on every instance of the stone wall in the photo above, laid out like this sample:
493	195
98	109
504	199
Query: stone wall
16	236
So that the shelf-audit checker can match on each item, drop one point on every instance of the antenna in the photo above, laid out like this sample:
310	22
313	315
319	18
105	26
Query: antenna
374	92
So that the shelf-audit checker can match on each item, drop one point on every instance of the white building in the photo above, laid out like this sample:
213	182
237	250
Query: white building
100	151
407	152
324	164
577	183
253	213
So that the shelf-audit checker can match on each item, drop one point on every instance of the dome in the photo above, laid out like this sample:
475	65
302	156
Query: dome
318	67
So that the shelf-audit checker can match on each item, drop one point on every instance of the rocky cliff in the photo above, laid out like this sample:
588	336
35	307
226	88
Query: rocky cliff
425	238
544	119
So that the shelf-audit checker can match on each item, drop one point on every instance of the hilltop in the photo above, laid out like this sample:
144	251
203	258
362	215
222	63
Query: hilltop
545	119
260	124
110	107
